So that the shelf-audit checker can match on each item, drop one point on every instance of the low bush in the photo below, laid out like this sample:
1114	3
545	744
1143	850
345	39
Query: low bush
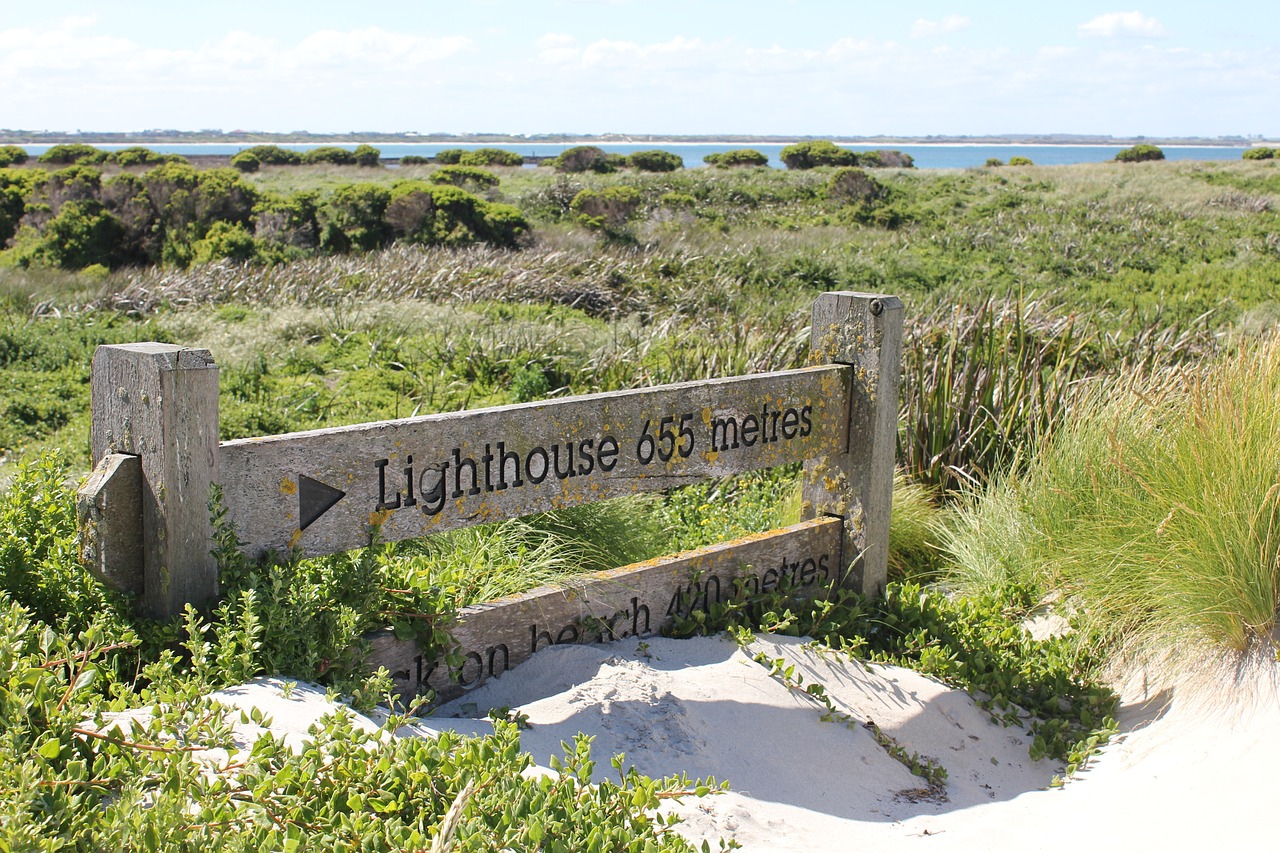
73	153
810	155
584	158
853	186
414	160
274	155
464	176
1020	161
490	157
329	154
1140	154
135	156
450	156
367	156
738	158
655	161
245	161
607	209
12	155
1259	152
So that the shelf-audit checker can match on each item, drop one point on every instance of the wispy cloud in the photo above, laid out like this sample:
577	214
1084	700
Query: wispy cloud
1122	25
924	28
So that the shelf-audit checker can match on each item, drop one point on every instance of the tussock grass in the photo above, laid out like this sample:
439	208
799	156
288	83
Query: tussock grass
1155	508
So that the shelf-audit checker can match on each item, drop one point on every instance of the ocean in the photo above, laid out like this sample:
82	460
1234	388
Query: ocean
943	156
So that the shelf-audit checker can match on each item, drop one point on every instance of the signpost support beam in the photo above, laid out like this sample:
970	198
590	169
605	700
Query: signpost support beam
865	331
159	402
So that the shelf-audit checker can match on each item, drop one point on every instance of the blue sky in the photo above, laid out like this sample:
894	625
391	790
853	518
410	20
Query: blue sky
804	67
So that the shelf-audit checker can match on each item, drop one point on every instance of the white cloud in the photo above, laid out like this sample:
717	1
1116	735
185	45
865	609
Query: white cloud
923	28
1122	24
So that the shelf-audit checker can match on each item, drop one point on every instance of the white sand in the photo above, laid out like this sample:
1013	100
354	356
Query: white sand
1184	776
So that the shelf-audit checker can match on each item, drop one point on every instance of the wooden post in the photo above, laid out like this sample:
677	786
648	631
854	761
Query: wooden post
863	330
159	402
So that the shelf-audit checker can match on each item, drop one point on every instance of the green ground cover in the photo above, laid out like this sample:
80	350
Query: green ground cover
1088	425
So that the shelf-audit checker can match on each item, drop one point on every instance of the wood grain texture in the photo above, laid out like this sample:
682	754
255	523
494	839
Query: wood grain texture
159	402
109	509
635	600
417	476
863	331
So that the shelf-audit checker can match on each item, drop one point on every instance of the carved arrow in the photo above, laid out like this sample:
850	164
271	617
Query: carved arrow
315	499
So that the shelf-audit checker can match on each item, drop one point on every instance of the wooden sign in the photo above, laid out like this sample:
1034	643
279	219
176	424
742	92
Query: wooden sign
323	491
633	601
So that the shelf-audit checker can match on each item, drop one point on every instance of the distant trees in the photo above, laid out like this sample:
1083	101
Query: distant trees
738	158
655	161
1140	153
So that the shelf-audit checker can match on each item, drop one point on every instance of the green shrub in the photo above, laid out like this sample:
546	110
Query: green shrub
433	215
464	176
74	152
490	157
12	155
655	161
287	221
885	158
678	201
1020	161
583	158
329	154
274	155
450	156
994	162
1258	152
738	158
354	218
138	156
1139	154
853	186
414	160
15	186
246	161
810	155
367	156
224	240
82	232
607	209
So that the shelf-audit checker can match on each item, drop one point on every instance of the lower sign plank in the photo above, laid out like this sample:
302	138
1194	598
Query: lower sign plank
327	490
632	601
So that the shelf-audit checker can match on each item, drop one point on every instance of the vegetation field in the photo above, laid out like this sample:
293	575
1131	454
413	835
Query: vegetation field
1088	427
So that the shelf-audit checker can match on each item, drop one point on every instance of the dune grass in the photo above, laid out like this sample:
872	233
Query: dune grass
1155	509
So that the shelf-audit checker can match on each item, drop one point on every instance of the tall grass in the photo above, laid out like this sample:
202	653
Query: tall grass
1155	508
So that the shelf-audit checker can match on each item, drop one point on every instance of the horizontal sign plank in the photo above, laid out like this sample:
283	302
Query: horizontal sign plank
325	491
635	600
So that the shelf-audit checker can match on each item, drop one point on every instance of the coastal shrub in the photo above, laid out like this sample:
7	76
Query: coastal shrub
82	232
72	152
885	158
1139	154
414	160
490	157
583	158
12	155
367	156
246	161
135	156
354	218
851	185
224	240
1020	161
434	215
740	157
287	221
810	155
464	176
994	162
655	161
450	156
329	154
15	186
274	155
607	209
1259	152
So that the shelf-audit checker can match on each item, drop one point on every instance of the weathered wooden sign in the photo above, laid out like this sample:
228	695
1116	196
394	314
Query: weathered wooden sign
146	524
323	491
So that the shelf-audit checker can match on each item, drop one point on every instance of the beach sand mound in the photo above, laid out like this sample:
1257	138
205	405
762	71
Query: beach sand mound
1183	775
